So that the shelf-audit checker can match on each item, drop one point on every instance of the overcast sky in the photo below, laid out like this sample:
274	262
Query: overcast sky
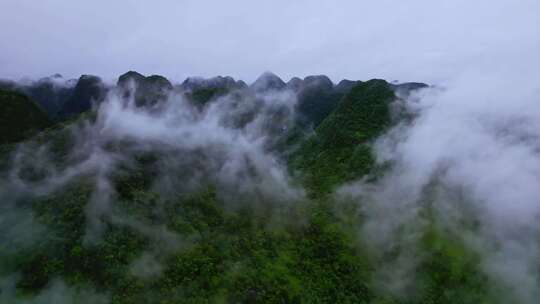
409	40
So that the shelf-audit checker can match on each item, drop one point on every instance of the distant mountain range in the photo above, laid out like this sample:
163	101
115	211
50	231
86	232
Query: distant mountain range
61	99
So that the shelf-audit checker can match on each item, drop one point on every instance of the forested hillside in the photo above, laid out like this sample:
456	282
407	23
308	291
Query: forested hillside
212	191
20	117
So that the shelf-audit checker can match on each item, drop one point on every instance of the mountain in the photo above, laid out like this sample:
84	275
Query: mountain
20	117
205	212
201	90
88	90
51	93
60	98
294	84
268	81
146	91
339	149
345	85
193	207
197	83
316	99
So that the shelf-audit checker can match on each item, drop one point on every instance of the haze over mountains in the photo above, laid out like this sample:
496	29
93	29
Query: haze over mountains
214	190
393	157
211	181
64	98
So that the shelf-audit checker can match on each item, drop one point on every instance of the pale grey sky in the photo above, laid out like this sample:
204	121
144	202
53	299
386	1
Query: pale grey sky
422	40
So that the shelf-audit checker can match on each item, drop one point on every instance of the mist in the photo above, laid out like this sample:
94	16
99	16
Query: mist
317	189
229	143
230	134
471	154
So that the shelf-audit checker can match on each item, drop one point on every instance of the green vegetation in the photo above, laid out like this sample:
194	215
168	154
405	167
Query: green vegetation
20	117
195	248
89	89
232	256
204	95
148	91
449	272
340	151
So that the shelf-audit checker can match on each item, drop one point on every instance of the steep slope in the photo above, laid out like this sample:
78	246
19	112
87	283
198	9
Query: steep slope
268	81
51	93
345	85
294	84
89	89
339	150
177	222
147	91
316	100
20	117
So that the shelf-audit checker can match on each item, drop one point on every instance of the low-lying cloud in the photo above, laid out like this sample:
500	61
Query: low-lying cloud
228	143
472	153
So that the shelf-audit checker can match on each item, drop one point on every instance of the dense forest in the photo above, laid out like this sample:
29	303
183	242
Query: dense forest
215	191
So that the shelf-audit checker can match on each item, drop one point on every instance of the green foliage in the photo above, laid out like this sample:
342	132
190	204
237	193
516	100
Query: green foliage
226	254
317	98
65	252
339	150
130	181
233	256
20	117
204	95
237	259
148	91
449	272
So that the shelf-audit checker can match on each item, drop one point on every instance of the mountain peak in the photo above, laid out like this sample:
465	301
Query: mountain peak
131	75
294	84
223	82
319	81
268	81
